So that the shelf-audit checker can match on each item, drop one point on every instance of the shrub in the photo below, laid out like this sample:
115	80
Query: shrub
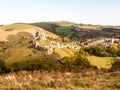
98	50
113	50
2	66
67	63
16	66
9	29
116	65
81	60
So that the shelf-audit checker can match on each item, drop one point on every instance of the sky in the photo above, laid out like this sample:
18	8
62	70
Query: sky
98	12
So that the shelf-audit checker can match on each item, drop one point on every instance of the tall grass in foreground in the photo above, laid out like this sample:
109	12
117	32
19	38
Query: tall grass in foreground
44	80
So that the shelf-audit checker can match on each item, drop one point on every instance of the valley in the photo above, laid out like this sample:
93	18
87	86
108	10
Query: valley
58	48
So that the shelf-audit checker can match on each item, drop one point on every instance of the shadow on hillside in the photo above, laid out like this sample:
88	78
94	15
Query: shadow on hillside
37	48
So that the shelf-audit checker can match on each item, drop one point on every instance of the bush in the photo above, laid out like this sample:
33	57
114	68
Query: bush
81	60
116	65
2	66
98	50
113	50
9	29
67	63
16	66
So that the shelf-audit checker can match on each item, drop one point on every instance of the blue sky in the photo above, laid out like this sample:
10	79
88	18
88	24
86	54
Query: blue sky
102	12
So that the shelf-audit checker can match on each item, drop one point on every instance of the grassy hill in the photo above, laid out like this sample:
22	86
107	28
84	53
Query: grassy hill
21	49
14	29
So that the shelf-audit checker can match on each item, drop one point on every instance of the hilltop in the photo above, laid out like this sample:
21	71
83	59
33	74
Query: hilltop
14	29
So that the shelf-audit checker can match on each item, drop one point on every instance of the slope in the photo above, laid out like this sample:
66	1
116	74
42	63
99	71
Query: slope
14	29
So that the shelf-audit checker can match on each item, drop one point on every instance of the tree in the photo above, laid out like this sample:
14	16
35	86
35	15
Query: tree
65	39
113	49
98	50
2	66
81	60
16	66
116	65
66	63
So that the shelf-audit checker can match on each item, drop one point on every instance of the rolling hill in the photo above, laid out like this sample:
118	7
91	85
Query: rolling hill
14	29
14	33
18	49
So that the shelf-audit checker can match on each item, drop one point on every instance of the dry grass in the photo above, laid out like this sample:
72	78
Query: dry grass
89	80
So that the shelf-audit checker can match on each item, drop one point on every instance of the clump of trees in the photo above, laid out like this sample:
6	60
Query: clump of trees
113	50
47	26
3	68
99	50
116	65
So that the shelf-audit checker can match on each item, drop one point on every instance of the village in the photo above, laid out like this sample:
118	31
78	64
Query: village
40	35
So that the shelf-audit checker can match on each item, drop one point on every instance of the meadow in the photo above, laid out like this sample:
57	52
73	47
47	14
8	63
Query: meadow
101	62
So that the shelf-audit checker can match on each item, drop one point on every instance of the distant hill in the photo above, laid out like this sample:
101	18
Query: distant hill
79	31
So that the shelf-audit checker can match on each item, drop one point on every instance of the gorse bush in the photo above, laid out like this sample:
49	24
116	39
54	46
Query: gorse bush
67	63
81	60
116	65
2	66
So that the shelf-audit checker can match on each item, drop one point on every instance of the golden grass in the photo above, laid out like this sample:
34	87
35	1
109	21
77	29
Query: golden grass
62	53
101	62
16	28
88	80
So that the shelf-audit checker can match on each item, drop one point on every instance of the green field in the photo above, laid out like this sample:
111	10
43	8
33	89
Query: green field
65	30
101	62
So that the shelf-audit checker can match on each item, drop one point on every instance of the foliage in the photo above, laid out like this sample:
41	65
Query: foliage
110	29
67	63
97	50
2	66
101	51
113	49
51	62
47	26
9	29
81	60
65	39
116	65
